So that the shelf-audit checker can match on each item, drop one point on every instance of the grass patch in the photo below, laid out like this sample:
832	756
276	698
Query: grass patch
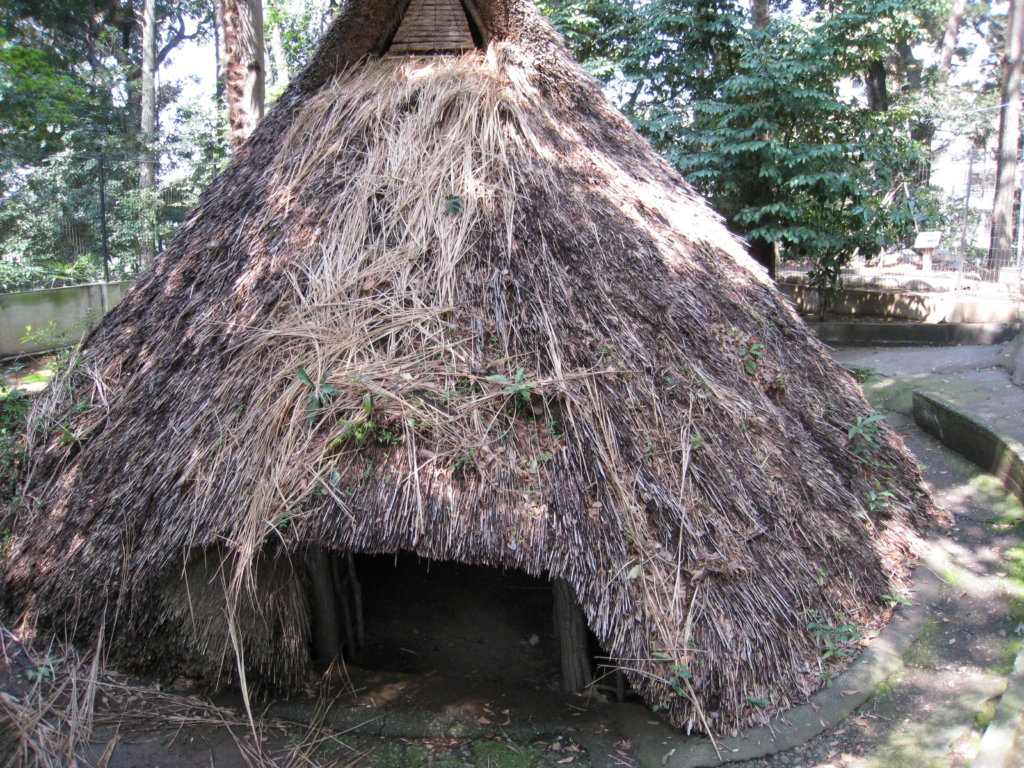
38	377
1007	507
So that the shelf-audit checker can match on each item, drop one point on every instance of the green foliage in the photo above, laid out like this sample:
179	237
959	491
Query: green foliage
837	639
466	461
788	160
756	120
896	598
45	669
364	430
69	94
453	205
750	353
323	392
863	435
14	407
300	22
878	500
678	675
518	386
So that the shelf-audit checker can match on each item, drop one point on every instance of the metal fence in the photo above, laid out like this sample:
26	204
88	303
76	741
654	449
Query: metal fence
70	219
964	255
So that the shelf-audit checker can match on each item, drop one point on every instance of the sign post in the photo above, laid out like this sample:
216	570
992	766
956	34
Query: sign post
926	242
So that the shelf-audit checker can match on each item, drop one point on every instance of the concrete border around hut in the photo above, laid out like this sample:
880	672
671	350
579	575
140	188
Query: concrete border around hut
65	311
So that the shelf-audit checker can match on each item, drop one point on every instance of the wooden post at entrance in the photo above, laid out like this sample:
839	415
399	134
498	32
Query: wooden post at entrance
326	634
571	634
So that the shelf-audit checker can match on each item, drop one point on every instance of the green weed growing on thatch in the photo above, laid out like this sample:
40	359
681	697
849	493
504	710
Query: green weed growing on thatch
864	435
837	638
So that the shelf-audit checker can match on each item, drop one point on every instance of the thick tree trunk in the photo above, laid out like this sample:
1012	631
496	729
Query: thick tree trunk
571	632
953	22
244	68
875	86
147	166
759	13
1009	138
764	254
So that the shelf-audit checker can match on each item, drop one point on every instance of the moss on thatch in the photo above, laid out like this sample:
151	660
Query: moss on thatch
457	306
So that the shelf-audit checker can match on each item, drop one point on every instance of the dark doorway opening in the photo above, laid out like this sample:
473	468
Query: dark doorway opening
472	623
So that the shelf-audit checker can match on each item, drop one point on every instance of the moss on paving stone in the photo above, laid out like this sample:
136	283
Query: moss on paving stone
922	651
498	754
984	717
902	751
385	755
1008	651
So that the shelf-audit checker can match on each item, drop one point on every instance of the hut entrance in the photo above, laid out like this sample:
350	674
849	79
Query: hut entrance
472	623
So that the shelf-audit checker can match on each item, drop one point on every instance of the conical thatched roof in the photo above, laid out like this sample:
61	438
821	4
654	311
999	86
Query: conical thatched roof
456	305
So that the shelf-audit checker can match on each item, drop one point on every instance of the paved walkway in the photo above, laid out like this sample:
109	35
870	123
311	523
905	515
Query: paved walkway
972	378
934	712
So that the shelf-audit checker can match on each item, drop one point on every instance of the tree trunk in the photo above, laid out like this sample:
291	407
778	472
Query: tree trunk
571	632
911	75
762	251
244	72
953	22
759	13
147	166
277	55
764	254
218	31
1009	138
874	84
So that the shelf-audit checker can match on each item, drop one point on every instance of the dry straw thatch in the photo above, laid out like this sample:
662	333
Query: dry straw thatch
524	341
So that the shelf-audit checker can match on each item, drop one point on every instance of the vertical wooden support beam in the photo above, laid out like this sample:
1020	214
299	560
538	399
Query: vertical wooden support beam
571	633
326	635
357	598
342	596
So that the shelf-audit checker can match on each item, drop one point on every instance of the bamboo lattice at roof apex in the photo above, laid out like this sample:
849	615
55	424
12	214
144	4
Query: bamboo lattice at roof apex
433	26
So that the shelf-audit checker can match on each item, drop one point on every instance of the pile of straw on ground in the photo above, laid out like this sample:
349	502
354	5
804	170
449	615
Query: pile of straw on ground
456	305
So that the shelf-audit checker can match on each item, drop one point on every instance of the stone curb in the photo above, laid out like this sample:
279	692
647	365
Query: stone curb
1001	734
979	442
1003	456
864	334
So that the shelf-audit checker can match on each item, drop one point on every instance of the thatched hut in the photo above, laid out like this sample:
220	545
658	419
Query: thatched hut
447	301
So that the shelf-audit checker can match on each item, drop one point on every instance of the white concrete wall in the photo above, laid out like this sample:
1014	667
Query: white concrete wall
69	310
